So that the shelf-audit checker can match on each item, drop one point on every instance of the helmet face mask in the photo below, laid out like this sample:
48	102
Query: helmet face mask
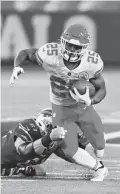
75	36
44	121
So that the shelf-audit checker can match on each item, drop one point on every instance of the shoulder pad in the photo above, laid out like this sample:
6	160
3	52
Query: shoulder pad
21	131
47	53
95	61
27	130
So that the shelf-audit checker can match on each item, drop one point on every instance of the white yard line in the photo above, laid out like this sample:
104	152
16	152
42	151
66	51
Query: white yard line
106	121
55	176
18	180
111	121
112	135
105	160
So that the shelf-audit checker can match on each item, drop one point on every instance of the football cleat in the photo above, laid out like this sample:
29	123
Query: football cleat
100	173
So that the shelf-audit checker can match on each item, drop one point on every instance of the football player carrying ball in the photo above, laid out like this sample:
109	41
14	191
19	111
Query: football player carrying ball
67	62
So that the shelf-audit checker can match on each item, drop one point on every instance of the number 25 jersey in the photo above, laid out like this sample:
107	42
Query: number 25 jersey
61	78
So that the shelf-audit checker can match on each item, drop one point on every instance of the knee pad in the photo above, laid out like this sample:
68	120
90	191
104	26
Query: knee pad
99	153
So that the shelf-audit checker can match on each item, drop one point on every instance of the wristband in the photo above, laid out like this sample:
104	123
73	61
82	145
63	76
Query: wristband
46	140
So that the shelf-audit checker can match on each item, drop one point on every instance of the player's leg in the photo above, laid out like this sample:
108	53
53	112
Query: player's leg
69	149
61	117
83	158
63	114
92	127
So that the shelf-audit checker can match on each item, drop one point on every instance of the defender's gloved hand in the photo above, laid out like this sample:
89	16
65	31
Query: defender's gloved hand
57	133
27	171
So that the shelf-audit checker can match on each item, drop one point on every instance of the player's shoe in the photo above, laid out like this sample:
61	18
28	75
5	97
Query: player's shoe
100	173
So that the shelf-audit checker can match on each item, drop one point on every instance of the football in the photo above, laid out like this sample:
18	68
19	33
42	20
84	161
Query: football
81	87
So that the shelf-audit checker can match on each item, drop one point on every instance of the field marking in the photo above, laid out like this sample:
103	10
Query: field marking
10	179
111	121
112	135
14	119
112	145
57	176
105	160
109	145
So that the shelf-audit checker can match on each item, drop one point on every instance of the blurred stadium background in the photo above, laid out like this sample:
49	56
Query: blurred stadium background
26	24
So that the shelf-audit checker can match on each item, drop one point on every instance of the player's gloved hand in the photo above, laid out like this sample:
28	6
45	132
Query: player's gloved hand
16	72
85	98
57	133
27	171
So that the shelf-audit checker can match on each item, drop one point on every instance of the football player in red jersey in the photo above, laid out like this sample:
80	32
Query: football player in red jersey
67	62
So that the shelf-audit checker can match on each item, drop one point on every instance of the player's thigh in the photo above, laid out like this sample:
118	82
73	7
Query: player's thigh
92	127
62	114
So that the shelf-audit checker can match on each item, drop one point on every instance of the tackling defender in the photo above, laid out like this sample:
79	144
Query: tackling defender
66	63
32	142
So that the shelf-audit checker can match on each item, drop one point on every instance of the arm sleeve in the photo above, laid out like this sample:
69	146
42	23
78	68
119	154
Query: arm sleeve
30	150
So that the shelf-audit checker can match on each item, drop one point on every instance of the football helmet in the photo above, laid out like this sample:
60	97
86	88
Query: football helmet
44	120
75	35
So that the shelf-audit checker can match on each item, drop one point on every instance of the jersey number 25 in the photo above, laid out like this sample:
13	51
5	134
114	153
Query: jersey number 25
52	49
92	57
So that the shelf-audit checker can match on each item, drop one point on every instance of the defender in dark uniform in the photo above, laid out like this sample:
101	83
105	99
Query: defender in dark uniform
31	142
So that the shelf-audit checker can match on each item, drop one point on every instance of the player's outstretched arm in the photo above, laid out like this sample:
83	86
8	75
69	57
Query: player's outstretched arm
30	150
23	56
100	87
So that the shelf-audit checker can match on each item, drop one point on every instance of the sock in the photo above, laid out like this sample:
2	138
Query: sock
82	157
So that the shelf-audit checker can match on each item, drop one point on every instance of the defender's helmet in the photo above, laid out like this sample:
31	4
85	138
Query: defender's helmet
44	120
75	35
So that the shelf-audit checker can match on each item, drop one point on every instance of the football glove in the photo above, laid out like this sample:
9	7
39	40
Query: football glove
27	171
57	133
16	72
85	98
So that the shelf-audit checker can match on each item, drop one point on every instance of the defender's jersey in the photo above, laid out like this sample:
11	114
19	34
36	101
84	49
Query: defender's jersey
28	131
61	77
